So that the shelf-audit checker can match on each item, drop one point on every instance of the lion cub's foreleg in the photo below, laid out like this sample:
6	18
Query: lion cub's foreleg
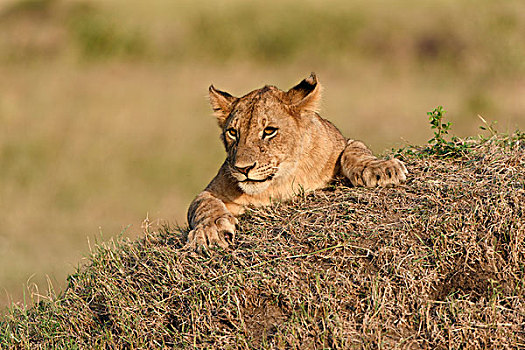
209	220
362	168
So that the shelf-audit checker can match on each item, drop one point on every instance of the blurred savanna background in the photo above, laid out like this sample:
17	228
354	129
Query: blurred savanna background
104	118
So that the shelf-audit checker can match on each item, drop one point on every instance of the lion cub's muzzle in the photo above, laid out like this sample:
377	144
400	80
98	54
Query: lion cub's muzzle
253	172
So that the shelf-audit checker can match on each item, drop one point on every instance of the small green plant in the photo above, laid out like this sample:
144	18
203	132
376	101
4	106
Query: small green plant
436	120
439	146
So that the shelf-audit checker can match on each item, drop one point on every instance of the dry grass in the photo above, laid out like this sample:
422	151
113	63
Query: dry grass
435	264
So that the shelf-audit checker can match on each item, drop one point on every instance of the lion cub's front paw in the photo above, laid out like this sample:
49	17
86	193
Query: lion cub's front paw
212	233
380	173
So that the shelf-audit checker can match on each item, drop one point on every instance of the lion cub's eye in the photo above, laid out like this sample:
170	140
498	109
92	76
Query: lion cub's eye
232	133
269	131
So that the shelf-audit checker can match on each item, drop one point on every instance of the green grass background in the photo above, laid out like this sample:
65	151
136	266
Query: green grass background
104	117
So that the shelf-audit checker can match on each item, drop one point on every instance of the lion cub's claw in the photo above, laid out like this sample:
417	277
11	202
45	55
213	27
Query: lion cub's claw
212	234
382	173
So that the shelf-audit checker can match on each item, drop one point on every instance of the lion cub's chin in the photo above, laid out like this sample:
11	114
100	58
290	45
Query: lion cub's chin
252	188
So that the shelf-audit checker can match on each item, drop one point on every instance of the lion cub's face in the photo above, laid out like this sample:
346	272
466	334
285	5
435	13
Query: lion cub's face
262	132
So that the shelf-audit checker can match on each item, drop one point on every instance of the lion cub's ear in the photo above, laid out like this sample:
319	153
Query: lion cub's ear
222	104
306	95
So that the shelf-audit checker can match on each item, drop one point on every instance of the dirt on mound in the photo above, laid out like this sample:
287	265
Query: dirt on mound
436	263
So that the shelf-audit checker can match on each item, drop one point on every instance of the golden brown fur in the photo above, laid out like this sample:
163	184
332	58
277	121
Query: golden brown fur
277	145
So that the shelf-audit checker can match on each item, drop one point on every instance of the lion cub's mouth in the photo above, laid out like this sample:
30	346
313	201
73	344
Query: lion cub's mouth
248	180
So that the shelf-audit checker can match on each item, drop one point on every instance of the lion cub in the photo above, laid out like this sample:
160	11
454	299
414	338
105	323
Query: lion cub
277	144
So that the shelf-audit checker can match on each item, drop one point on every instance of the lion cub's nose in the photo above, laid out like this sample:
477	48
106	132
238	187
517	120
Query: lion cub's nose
244	170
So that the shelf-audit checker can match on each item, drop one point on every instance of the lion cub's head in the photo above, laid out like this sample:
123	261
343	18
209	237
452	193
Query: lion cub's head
263	131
